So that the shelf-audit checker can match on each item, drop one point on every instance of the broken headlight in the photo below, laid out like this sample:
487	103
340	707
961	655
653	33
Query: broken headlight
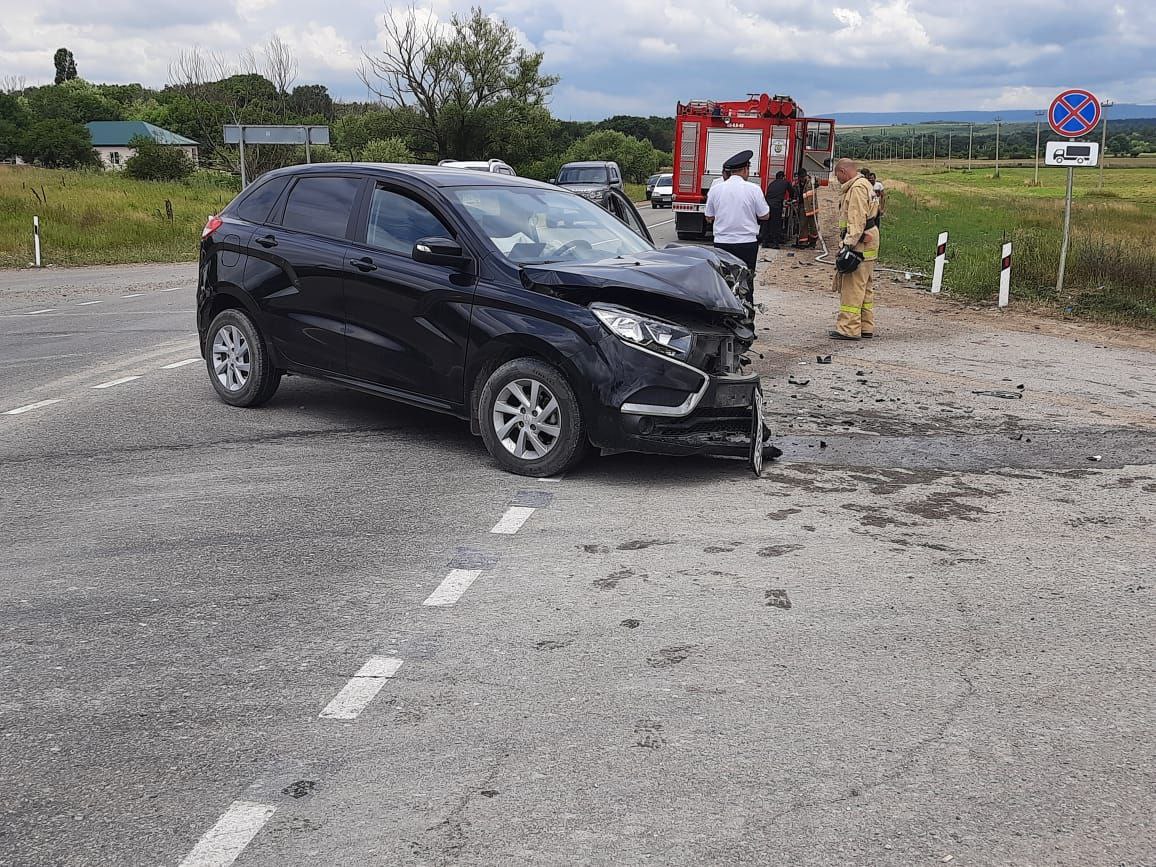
645	331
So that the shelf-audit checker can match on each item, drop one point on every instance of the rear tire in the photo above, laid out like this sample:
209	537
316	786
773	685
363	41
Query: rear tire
530	419
238	362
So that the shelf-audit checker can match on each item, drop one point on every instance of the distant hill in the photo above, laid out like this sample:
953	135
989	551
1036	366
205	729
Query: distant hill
1120	111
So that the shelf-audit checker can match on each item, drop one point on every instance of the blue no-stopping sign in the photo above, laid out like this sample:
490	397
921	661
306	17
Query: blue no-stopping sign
1074	113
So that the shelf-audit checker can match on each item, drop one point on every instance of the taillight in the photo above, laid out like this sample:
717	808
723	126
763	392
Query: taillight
214	223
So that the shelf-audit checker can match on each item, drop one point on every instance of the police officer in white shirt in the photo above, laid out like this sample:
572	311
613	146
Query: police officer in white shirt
735	207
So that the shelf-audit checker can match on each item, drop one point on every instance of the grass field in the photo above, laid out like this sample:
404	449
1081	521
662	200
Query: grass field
93	218
1111	271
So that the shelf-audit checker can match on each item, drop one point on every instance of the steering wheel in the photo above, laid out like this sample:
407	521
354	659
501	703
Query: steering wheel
577	243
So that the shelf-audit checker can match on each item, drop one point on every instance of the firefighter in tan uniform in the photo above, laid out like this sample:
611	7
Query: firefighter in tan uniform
855	262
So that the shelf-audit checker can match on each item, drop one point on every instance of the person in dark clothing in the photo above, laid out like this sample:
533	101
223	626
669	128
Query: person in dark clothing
778	191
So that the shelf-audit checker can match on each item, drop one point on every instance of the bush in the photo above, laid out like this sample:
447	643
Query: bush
386	150
57	143
157	162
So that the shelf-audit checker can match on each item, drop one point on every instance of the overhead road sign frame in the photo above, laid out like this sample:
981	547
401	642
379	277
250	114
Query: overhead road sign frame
1074	113
273	134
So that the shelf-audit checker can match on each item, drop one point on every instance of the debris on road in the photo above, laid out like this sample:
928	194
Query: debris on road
631	623
1005	395
1095	457
793	381
822	359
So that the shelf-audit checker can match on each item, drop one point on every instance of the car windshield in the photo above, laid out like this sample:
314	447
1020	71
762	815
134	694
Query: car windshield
665	181
583	175
539	226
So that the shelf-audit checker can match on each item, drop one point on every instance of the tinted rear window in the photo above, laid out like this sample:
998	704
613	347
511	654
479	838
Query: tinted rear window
259	201
321	205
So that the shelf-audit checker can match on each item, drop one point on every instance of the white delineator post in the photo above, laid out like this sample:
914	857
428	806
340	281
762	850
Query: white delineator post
1005	275
940	259
36	240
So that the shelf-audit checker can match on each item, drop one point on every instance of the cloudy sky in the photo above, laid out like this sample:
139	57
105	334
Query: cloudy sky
641	56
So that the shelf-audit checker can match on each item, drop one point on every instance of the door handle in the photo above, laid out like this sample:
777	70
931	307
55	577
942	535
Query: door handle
363	264
267	241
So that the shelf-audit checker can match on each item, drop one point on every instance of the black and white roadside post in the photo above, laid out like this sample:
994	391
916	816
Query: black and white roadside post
940	261
36	242
1073	113
1005	274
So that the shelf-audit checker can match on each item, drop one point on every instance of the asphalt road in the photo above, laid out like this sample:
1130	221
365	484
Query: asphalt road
292	635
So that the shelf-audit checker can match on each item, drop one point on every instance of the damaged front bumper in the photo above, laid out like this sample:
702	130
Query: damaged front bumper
665	406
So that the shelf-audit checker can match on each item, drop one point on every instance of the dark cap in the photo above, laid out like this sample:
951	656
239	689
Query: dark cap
742	158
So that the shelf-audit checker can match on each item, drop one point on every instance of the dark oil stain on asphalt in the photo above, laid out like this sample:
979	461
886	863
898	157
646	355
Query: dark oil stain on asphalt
553	644
532	499
647	734
490	793
716	549
611	580
782	514
640	544
595	549
777	599
299	789
631	623
669	656
778	550
947	505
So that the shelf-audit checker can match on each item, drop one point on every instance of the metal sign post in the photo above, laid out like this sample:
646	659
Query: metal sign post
36	241
1073	113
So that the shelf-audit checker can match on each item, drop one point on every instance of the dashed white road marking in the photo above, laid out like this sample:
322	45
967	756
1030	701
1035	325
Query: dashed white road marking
31	406
180	363
34	312
228	838
120	381
362	688
511	522
134	295
86	303
453	586
173	289
552	478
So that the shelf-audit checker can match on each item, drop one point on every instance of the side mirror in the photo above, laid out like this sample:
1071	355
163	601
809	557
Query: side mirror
553	180
440	251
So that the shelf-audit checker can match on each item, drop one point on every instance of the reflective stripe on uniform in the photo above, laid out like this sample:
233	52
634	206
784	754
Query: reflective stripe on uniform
868	305
870	254
842	224
844	308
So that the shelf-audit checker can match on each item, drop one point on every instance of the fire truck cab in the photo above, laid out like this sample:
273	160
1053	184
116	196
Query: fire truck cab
707	133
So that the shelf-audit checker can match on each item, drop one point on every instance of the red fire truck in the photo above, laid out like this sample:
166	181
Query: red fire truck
707	133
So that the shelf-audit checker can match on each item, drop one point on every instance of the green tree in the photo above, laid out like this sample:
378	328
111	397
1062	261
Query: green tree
76	101
65	65
58	143
14	120
157	162
390	150
454	82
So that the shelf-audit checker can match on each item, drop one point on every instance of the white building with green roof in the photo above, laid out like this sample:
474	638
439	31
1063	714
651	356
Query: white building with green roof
110	139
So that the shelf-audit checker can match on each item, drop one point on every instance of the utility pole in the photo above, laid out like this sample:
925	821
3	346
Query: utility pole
1105	105
1036	179
998	121
970	130
947	162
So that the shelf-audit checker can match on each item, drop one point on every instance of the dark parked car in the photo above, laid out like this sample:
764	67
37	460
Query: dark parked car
539	317
593	179
650	182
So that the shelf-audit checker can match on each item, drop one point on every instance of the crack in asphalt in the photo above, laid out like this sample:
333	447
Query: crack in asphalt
910	755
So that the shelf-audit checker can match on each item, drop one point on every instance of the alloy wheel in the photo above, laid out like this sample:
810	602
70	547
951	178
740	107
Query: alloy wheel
232	361
527	419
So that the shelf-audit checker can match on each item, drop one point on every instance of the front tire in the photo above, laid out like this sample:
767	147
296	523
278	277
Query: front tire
530	419
239	366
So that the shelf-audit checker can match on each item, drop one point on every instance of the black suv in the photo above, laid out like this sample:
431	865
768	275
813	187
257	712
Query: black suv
541	318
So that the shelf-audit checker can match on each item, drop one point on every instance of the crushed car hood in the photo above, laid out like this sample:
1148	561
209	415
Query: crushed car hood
685	276
584	188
